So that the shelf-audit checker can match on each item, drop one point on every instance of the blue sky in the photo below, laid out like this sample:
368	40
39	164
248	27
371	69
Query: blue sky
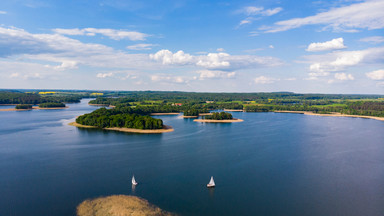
192	45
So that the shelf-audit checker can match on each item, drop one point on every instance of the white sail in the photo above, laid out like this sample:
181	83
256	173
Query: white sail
211	183
134	181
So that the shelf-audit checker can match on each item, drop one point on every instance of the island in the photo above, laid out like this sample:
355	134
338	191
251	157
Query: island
51	105
121	118
119	205
217	117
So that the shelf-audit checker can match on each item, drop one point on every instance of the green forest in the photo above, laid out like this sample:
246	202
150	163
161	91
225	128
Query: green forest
34	98
23	106
191	103
51	105
218	116
122	118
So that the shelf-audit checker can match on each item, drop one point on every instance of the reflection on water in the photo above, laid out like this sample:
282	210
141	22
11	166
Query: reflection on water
211	192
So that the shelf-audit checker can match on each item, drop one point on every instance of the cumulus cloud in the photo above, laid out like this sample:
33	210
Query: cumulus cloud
376	75
338	61
214	60
343	76
141	47
220	49
374	39
169	58
334	44
264	80
215	74
365	15
111	33
217	61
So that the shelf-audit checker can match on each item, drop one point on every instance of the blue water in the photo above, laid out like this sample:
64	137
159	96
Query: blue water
270	164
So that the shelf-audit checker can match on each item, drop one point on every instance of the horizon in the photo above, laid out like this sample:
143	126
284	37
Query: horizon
277	92
316	47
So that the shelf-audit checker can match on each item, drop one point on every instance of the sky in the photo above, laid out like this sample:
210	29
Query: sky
299	46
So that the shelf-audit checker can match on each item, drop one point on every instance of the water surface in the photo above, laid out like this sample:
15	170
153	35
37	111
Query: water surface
270	164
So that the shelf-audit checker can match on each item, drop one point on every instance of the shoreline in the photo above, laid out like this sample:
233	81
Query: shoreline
104	105
50	108
159	114
37	108
234	110
166	129
218	121
332	115
190	116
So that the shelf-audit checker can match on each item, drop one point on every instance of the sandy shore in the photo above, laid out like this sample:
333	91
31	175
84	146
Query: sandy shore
234	110
119	205
165	129
13	109
190	116
98	104
333	115
159	114
104	105
218	121
52	108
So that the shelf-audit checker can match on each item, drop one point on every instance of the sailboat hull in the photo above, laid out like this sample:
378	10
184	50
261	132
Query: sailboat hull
210	186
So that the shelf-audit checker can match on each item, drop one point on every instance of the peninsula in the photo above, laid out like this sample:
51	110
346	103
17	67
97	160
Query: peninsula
119	205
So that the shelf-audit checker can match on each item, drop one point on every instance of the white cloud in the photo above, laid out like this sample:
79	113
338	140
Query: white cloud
376	75
264	80
270	12
68	52
3	12
111	33
246	21
168	79
271	47
141	46
104	75
65	65
374	39
215	74
169	58
26	71
214	60
217	61
337	43
252	11
220	49
340	60
365	15
343	76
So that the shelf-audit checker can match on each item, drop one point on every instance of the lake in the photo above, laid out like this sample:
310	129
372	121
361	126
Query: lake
270	164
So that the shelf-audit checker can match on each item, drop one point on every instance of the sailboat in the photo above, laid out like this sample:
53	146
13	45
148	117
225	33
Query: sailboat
134	181
211	183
